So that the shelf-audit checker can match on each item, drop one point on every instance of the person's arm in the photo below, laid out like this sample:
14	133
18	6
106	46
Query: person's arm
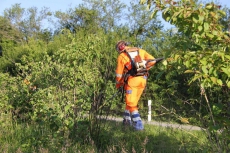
148	56
119	72
149	60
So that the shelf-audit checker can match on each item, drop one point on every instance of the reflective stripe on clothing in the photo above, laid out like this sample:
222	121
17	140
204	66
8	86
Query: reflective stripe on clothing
119	75
136	116
128	91
127	115
119	80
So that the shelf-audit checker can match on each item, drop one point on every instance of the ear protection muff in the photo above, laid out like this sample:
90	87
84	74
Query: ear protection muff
121	45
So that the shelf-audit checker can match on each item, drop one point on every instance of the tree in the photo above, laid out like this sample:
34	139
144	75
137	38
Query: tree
141	25
46	35
207	65
29	22
78	18
9	38
110	12
225	21
8	31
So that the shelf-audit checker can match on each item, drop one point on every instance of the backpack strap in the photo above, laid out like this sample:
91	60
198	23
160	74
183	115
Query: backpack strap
133	71
132	49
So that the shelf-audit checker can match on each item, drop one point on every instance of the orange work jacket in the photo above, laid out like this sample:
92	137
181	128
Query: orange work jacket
124	64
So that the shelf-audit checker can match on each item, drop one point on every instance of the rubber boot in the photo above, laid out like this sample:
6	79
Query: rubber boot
137	123
127	119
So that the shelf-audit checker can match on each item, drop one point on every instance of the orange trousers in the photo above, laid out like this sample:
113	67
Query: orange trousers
133	91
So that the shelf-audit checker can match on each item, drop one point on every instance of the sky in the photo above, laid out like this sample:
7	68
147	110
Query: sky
63	5
54	5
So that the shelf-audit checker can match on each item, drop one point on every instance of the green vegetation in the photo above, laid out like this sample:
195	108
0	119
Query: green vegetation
52	78
114	138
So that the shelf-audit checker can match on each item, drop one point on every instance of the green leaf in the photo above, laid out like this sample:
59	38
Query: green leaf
226	71
159	75
206	26
168	18
176	57
217	108
154	14
165	62
187	63
201	18
222	55
197	76
223	13
165	14
214	80
203	61
214	72
67	107
179	101
195	19
227	56
214	32
142	1
209	35
209	6
204	69
66	121
200	28
219	82
189	71
228	84
210	70
214	53
174	20
177	13
167	54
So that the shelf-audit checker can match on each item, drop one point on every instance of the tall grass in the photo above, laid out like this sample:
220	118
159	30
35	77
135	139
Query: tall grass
114	137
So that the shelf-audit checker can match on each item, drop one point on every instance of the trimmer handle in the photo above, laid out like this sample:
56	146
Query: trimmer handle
156	59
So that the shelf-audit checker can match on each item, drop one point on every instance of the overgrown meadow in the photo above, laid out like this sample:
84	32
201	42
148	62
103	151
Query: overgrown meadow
58	85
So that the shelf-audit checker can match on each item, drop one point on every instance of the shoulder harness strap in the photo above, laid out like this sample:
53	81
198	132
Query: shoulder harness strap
134	71
133	49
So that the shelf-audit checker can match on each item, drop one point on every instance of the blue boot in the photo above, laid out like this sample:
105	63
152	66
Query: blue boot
137	123
126	118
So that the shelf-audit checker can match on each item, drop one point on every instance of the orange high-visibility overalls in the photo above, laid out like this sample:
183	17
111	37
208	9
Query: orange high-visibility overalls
134	85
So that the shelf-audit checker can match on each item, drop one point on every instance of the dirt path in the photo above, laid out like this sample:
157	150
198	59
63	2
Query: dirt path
163	124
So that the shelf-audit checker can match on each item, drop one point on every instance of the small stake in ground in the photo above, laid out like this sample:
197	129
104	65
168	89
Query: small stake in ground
149	110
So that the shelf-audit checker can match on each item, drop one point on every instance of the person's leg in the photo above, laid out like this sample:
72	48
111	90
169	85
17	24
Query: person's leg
137	123
134	89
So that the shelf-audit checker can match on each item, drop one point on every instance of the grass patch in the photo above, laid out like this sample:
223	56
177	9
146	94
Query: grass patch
156	139
113	137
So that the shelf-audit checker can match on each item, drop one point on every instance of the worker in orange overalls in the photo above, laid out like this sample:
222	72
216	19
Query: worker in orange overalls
131	74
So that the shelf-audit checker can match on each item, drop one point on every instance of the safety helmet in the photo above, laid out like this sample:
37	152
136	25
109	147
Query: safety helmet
120	46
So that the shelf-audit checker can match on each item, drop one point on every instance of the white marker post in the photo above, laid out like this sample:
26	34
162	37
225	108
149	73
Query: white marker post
149	110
